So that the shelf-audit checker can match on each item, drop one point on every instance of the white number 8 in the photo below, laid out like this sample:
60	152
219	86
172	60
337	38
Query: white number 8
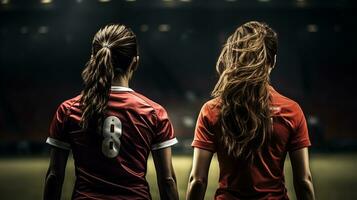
112	131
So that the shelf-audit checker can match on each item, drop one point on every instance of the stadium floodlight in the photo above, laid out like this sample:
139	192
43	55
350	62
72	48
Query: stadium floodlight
5	2
46	1
188	121
144	28
337	28
24	30
43	29
312	28
164	28
301	3
170	3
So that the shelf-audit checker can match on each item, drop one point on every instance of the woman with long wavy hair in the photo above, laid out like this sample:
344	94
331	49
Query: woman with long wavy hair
250	125
111	129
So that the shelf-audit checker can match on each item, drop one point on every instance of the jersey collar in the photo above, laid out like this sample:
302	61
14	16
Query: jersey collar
121	89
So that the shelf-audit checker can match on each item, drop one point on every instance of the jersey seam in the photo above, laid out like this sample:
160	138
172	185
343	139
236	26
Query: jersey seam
300	122
68	110
207	122
156	115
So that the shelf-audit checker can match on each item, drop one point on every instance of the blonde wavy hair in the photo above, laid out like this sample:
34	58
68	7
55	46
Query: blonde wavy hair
243	87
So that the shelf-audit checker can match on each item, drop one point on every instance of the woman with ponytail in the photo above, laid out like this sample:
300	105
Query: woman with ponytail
250	125
111	129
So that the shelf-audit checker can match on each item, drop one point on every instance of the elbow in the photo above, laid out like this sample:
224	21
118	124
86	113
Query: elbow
304	188
197	188
169	181
198	182
54	178
304	183
53	185
168	188
307	179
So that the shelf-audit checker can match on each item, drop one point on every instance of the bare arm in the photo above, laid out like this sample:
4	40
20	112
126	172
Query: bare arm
303	185
197	184
166	178
55	174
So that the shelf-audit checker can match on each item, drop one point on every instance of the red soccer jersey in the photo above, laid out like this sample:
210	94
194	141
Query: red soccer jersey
110	163
264	179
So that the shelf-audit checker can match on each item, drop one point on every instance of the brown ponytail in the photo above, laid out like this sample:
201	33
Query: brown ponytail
244	67
113	50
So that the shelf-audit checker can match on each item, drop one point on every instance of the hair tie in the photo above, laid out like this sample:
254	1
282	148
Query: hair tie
106	45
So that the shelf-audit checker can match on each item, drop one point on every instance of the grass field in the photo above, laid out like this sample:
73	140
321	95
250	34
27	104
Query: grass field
335	177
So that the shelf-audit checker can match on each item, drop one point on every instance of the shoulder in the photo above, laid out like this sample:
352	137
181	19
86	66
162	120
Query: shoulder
287	107
145	101
284	102
210	110
66	106
212	104
71	102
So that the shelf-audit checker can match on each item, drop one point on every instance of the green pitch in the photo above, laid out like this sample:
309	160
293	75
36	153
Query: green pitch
335	177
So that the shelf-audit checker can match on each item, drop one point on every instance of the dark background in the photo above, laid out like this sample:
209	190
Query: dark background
44	47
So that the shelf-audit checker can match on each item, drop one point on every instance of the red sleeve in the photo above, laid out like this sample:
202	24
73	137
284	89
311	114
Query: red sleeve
164	133
300	135
58	136
204	137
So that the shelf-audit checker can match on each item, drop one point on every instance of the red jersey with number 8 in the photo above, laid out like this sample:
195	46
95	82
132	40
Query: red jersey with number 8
110	162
